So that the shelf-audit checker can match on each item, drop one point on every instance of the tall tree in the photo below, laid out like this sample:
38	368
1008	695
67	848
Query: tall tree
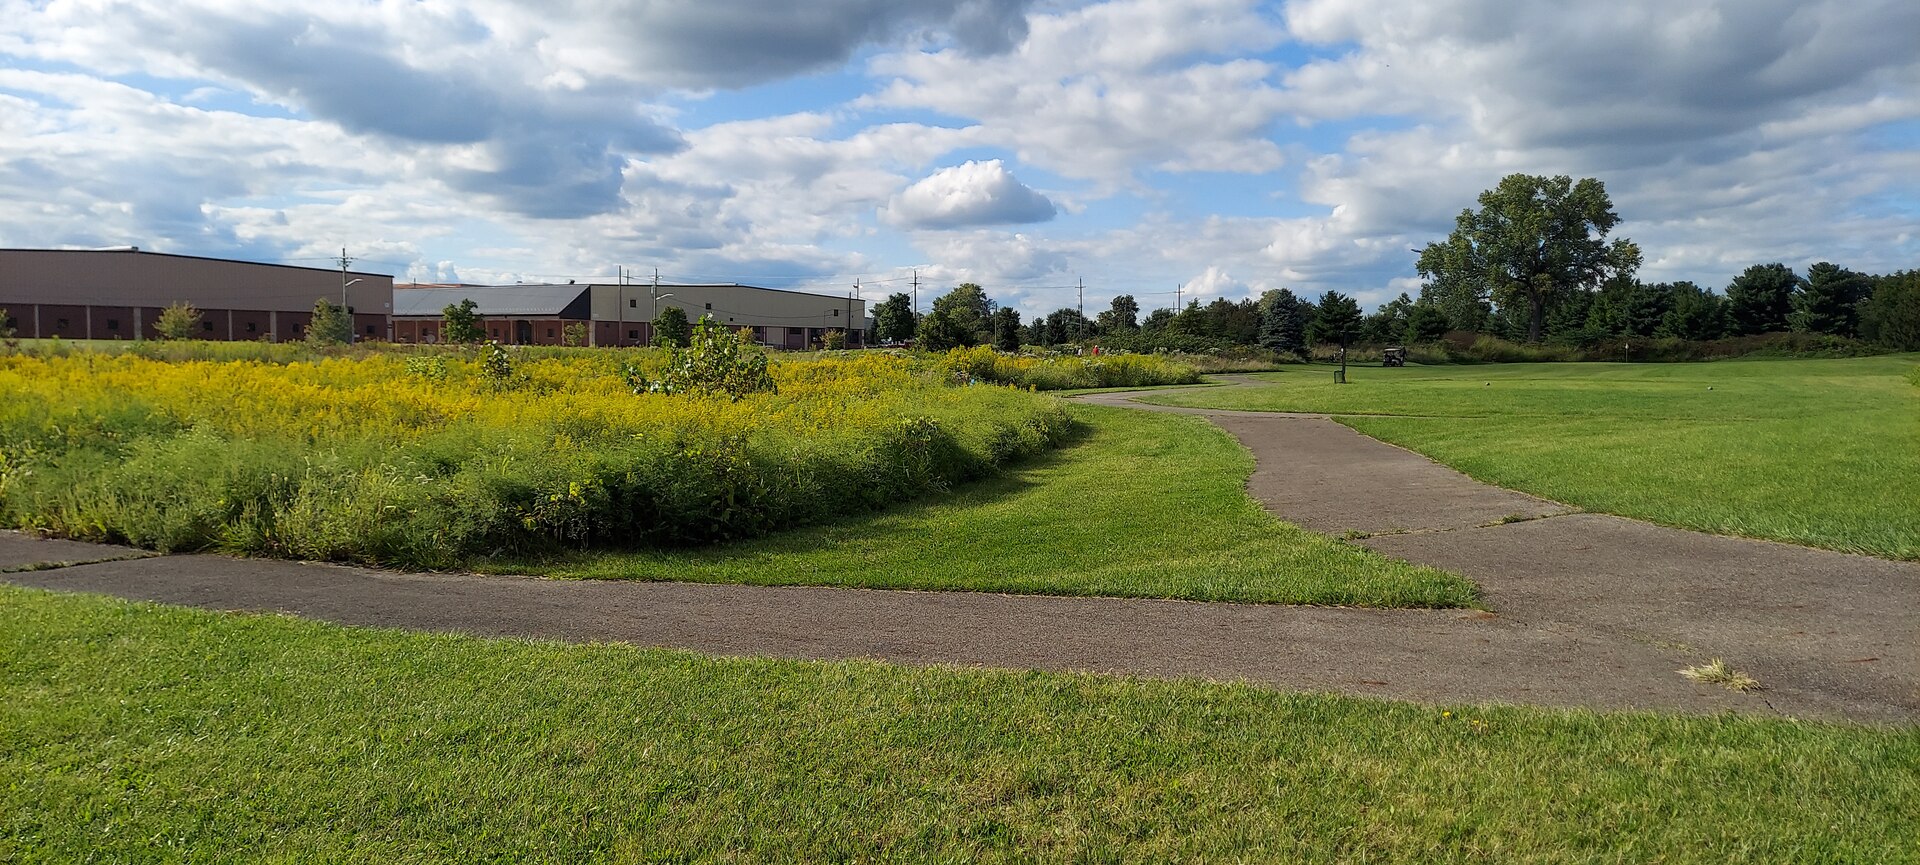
1830	301
1282	327
1158	320
1067	324
1389	322
1191	320
893	318
1533	240
1463	302
958	319
461	322
1761	297
1336	320
1124	315
1006	329
1696	314
1425	323
1892	316
1646	306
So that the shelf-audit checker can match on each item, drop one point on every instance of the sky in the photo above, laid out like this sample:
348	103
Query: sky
1213	148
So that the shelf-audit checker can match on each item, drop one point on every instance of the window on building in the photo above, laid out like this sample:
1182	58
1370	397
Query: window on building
206	325
836	313
633	301
251	327
60	324
633	334
496	331
113	324
549	333
13	323
709	306
369	330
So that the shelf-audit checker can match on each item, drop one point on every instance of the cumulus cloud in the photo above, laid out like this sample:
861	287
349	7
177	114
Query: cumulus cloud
969	194
1110	90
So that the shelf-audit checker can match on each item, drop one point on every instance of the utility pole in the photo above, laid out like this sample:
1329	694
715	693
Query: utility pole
344	261
656	294
1179	294
1081	304
916	294
344	309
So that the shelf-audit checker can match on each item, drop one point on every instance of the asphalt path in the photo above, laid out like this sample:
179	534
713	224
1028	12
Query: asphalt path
1585	610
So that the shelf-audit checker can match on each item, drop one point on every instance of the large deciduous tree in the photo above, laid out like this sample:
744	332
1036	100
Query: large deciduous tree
958	319
1761	297
1533	241
893	318
1123	316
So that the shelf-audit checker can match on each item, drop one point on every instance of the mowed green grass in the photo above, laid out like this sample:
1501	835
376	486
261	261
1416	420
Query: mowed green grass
1824	453
139	733
1143	505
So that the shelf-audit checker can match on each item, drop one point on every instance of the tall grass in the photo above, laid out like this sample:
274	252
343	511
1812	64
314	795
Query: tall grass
1061	371
365	457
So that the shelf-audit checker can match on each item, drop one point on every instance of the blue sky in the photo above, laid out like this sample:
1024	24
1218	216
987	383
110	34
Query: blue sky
1225	147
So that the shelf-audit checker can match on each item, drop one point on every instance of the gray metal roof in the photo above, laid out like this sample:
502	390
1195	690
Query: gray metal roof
490	299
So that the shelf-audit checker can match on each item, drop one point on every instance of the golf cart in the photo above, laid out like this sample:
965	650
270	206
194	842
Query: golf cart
1393	356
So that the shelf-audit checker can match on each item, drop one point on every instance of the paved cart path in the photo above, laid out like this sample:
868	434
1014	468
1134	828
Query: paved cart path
1588	610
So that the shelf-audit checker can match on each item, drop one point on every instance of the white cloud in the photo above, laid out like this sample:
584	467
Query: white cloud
1111	90
969	194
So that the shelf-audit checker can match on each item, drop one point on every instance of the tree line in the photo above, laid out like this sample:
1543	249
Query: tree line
1532	264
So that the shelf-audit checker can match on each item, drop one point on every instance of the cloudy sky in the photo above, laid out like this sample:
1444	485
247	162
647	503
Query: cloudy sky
1222	146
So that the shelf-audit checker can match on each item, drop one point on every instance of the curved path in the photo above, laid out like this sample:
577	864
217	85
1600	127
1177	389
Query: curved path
1588	610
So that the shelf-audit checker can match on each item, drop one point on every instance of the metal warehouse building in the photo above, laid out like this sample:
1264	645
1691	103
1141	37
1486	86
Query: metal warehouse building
119	293
511	314
623	314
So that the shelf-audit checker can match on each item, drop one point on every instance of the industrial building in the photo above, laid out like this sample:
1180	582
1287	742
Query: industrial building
509	314
119	293
619	315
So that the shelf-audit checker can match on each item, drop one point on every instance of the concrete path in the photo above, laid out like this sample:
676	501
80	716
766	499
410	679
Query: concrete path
1589	610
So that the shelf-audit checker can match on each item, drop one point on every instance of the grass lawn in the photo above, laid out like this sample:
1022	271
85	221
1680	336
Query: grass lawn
1818	452
136	733
1144	505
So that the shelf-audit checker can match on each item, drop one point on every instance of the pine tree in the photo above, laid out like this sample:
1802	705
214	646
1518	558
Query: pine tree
1282	328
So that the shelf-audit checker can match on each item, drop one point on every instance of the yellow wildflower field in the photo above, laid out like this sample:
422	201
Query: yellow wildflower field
422	459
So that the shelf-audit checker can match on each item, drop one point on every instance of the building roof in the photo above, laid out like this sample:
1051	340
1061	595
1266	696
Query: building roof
672	285
137	251
489	299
